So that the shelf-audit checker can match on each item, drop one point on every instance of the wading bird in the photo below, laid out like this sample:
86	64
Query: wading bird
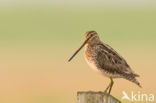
105	60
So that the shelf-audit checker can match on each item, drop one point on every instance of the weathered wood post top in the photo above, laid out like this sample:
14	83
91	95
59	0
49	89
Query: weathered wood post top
95	97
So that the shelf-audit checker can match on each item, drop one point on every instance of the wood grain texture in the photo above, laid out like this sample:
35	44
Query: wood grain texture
95	97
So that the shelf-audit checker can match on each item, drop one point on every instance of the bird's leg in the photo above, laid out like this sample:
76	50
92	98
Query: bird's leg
107	87
111	85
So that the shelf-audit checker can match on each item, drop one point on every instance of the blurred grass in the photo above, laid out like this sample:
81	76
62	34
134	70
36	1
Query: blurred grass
41	24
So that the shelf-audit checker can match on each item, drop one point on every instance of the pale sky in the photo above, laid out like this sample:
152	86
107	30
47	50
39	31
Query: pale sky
81	2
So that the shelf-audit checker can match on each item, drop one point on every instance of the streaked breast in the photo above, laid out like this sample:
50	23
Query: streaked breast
89	58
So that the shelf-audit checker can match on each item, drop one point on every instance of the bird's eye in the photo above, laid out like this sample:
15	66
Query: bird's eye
91	34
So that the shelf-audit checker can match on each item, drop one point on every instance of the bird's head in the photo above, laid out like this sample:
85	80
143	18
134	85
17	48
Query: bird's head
90	37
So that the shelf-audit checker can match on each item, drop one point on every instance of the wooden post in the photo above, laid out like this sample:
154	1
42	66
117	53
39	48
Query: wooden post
95	97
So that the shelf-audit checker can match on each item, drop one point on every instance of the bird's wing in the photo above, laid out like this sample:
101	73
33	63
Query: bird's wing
112	62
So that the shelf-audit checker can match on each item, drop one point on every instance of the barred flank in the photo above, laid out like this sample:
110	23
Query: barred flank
134	80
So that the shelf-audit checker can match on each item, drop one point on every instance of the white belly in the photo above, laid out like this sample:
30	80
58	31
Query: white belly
92	65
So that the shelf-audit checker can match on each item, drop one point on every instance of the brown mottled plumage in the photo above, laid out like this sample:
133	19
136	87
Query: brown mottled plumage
104	59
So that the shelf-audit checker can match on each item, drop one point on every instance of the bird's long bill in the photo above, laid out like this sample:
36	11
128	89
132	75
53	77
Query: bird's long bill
78	49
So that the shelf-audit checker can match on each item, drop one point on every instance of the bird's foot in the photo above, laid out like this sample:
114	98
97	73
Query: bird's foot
106	90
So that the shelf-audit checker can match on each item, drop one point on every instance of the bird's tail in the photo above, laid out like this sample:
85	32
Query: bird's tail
134	80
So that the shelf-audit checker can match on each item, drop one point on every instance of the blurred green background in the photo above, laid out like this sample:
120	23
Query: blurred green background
38	37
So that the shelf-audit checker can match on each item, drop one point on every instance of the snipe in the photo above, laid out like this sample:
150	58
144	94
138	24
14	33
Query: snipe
105	60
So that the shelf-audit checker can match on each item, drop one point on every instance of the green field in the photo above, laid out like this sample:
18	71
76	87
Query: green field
56	24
